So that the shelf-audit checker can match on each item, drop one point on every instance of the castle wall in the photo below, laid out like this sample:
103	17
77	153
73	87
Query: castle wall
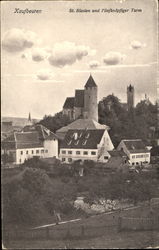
78	112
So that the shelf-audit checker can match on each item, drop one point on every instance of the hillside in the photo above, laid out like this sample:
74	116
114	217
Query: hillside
17	121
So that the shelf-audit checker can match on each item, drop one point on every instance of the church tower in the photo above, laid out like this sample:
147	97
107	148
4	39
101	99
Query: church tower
130	97
90	100
29	122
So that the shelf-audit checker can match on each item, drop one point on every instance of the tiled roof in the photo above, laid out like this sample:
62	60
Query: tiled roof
135	146
79	98
84	138
22	140
31	137
69	103
90	82
83	124
117	153
43	132
28	140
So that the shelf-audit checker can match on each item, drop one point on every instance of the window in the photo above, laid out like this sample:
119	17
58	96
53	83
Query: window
21	152
63	151
63	159
32	151
93	153
27	152
106	157
78	152
85	152
37	151
137	163
20	160
133	156
46	151
70	152
133	163
42	151
69	159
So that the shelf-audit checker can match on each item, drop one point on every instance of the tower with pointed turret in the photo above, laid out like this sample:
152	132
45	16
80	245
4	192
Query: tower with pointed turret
130	97
90	100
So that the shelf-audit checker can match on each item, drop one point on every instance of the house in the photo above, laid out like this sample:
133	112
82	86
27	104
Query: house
85	144
35	140
136	151
84	103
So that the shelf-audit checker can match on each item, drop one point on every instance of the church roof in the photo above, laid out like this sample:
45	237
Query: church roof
69	103
79	98
90	82
83	124
83	138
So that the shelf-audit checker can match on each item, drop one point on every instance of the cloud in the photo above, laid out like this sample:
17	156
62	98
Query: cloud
16	40
39	54
45	74
113	58
137	45
94	64
67	53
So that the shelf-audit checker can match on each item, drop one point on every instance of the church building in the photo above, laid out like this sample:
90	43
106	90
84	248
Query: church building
84	104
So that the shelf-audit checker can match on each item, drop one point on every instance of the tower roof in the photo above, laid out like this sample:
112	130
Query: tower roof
90	82
130	88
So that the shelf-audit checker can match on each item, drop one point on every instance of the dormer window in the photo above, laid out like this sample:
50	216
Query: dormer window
69	142
87	135
76	143
84	143
75	135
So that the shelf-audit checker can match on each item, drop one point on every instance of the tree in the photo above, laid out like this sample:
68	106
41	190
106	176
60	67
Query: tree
35	181
55	122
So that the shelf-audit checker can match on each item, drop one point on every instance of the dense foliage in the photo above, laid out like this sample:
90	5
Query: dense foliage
55	122
32	199
140	122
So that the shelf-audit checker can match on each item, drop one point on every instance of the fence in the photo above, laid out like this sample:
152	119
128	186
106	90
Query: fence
58	233
127	223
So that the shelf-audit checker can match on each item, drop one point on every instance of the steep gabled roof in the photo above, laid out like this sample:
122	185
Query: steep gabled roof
69	103
43	132
31	137
135	146
90	82
83	138
79	98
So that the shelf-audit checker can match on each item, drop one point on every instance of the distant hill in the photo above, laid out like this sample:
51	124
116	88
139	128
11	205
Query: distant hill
18	121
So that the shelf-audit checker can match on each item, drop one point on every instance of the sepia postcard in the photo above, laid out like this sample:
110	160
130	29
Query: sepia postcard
80	124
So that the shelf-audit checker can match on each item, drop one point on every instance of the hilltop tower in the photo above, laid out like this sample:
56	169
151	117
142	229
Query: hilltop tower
90	100
130	97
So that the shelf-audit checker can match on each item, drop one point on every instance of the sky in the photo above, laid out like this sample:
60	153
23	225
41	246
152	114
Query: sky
49	54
